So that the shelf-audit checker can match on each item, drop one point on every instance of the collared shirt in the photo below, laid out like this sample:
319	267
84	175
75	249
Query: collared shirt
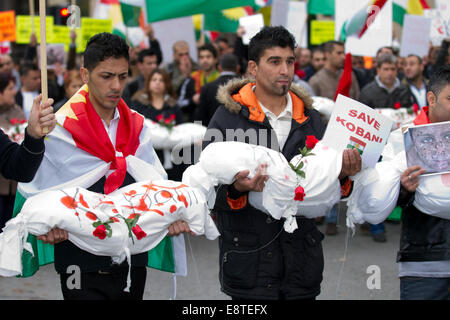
420	94
281	124
381	84
112	132
27	104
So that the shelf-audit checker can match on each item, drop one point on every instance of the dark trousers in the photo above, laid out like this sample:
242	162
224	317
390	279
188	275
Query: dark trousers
6	209
421	288
105	285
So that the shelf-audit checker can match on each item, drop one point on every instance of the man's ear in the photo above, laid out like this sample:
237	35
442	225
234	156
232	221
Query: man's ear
84	73
431	99
252	68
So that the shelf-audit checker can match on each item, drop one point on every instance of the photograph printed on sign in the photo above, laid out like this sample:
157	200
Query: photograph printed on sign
429	147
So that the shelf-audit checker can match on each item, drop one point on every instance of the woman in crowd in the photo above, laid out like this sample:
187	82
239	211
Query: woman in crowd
157	102
72	82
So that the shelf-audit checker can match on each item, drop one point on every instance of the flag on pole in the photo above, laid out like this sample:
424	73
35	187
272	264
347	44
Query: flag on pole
126	17
158	10
345	82
226	20
361	20
402	7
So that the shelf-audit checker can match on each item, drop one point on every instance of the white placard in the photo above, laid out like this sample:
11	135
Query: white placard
252	24
293	16
443	7
355	125
437	29
415	35
170	31
378	35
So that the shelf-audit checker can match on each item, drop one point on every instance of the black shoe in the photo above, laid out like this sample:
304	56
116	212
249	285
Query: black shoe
379	237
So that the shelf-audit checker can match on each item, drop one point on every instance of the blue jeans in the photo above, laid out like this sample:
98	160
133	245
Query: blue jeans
331	216
377	228
420	288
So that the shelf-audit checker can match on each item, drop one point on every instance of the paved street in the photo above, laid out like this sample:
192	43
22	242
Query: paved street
345	274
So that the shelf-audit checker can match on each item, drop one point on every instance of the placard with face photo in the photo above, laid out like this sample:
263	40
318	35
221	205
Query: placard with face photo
429	147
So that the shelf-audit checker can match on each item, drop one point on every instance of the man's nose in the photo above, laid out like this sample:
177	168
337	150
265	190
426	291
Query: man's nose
115	83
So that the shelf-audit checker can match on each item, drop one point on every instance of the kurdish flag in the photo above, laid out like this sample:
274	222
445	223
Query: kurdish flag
226	20
357	144
359	23
126	16
158	10
78	153
402	7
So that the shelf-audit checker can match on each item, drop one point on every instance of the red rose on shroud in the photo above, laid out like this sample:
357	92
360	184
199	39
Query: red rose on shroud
138	232
311	142
14	121
397	105
172	117
299	193
167	121
22	121
159	117
100	232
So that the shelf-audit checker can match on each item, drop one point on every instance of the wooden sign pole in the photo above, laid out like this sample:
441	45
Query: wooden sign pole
44	85
31	3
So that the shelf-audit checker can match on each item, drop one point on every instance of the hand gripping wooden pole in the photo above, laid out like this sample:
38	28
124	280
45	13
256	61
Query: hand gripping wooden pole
44	85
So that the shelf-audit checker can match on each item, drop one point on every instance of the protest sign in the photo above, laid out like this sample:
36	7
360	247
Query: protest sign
61	34
55	54
443	7
378	34
429	147
321	31
170	31
293	16
437	29
415	35
252	24
90	27
355	125
7	26
24	29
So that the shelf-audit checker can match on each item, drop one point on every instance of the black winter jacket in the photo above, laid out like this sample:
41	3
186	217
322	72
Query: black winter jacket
258	259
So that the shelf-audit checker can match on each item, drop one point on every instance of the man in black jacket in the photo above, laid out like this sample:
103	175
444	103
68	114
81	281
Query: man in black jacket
424	255
228	67
258	260
386	91
20	162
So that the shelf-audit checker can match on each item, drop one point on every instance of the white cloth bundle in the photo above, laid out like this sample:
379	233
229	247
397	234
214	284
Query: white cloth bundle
401	116
220	162
324	106
375	191
130	220
180	136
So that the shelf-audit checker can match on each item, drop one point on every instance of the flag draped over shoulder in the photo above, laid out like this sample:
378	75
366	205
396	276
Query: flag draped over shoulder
79	152
158	10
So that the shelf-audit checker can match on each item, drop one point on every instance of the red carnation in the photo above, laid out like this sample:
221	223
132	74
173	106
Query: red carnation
159	117
167	121
299	193
14	121
172	117
397	105
138	232
100	232
311	142
23	121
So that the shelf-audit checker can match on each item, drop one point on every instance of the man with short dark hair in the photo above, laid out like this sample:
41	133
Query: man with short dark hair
30	77
326	80
386	91
317	62
415	80
148	61
229	68
258	259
